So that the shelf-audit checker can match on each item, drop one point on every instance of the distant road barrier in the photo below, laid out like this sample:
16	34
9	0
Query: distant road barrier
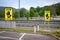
7	24
13	24
37	22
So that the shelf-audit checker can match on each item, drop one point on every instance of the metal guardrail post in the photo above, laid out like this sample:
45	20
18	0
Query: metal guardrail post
34	29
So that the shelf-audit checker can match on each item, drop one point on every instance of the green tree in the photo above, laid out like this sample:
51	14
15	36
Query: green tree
41	13
57	6
46	7
27	15
32	11
22	12
2	14
38	9
16	14
55	9
36	14
42	10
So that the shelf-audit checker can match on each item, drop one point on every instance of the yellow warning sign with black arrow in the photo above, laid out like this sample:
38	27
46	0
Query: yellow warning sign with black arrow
47	16
8	13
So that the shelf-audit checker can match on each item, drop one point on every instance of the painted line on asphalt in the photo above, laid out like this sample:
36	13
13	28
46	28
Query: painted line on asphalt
2	31
22	36
7	37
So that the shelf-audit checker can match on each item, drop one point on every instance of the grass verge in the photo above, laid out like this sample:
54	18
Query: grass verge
57	34
15	30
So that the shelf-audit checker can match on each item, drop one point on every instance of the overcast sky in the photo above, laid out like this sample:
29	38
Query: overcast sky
27	3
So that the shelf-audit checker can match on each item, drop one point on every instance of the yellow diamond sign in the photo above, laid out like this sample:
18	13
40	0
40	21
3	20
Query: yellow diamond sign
47	16
8	13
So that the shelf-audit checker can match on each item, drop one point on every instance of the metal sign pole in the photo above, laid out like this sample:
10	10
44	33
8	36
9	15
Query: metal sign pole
34	29
19	8
37	27
48	25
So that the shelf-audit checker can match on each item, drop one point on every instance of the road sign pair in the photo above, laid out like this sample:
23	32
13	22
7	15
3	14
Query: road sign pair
8	14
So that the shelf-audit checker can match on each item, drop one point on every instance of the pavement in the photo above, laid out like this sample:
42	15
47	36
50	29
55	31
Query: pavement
7	35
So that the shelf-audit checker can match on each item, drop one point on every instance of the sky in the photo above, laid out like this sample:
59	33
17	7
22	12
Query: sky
27	3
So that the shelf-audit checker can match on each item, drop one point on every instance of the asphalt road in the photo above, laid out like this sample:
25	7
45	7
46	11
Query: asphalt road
6	35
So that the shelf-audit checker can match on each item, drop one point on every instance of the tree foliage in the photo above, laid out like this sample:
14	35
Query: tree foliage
27	15
2	14
32	11
36	14
22	12
58	9
16	14
38	9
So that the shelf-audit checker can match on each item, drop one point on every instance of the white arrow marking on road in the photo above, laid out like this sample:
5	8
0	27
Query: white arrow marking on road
22	36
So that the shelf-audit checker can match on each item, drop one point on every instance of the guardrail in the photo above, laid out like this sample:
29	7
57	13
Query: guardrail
12	24
52	23
7	24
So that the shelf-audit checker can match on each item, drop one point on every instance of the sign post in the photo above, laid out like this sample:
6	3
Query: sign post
8	17
37	27
34	29
47	16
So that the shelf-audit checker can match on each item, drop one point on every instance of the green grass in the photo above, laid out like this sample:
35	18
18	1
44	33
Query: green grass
7	29
43	32
57	28
22	30
15	30
33	18
57	34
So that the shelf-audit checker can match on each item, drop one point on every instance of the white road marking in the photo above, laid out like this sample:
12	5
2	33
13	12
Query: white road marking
8	37
22	36
2	31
